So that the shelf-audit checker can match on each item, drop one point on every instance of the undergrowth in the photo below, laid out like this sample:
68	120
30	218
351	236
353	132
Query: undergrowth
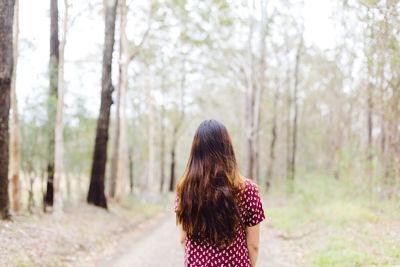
338	222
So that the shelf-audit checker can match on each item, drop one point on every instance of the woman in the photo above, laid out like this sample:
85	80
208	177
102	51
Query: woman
218	212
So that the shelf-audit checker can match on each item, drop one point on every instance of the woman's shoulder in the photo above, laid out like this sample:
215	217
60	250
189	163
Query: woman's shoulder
249	186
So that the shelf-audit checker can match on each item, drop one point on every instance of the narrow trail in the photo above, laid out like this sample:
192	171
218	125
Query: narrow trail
157	244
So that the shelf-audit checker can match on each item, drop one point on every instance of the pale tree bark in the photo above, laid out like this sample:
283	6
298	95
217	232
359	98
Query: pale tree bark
255	88
59	129
123	87
96	194
14	134
274	138
162	139
176	126
289	112
120	152
369	115
249	70
131	174
115	152
6	70
51	108
292	173
151	161
260	87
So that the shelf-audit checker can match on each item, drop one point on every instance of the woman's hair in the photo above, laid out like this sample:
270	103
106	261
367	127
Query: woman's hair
208	191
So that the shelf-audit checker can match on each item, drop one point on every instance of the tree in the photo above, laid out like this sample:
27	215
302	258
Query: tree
14	133
274	137
96	188
177	125
6	70
120	151
254	90
59	129
162	137
115	152
52	102
292	172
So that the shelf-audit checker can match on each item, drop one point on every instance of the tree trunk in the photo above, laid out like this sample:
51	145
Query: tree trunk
119	160
130	157
369	116
59	129
274	135
289	112
296	83
250	97
162	143
14	137
6	70
52	102
172	166
255	89
68	184
96	189
115	153
177	126
123	86
150	180
31	200
259	89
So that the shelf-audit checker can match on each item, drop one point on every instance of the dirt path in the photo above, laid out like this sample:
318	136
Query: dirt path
157	244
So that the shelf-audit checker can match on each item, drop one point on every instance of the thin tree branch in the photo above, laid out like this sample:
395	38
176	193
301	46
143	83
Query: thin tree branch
133	54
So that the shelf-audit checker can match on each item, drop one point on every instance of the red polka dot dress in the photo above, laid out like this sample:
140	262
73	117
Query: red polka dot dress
237	254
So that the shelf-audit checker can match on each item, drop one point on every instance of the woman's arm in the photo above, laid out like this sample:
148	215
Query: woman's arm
182	235
253	239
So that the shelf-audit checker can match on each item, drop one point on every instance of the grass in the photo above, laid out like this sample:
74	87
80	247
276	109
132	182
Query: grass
22	260
132	205
336	223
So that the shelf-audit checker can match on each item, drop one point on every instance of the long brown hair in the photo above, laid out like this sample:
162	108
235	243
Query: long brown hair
208	191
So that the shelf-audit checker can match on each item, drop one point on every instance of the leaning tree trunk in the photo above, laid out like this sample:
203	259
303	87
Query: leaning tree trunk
59	129
52	101
14	134
96	188
6	70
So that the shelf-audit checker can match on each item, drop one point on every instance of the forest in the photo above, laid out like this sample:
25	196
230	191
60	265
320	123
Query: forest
99	102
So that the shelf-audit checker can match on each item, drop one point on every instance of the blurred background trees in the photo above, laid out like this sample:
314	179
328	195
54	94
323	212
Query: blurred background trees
294	107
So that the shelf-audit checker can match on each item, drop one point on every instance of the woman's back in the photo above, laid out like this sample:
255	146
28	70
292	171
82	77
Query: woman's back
236	254
216	209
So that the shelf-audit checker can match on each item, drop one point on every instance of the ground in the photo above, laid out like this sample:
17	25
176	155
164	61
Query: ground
156	243
145	235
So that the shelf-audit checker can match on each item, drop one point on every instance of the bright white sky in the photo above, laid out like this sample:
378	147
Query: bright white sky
85	40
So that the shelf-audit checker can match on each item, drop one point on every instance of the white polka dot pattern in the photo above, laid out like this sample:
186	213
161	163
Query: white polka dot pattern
206	255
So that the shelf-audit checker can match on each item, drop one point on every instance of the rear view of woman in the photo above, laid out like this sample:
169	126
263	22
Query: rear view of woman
218	212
